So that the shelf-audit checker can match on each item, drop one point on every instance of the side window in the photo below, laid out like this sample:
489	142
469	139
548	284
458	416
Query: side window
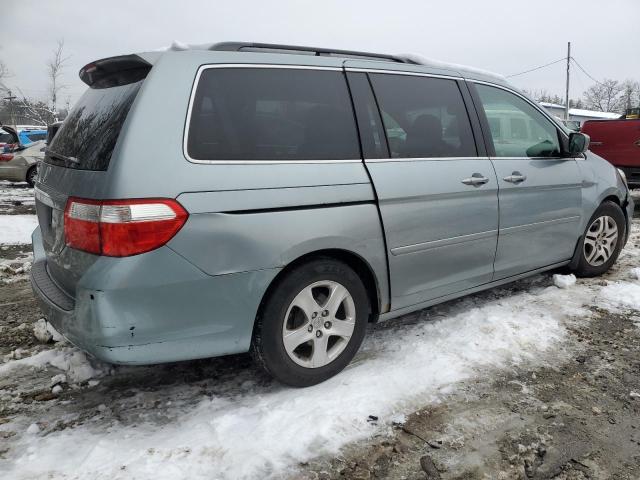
272	114
424	117
517	128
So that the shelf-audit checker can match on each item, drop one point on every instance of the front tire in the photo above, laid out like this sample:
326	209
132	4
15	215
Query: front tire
602	240
312	323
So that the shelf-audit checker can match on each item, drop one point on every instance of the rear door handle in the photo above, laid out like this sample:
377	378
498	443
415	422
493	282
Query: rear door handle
515	177
476	180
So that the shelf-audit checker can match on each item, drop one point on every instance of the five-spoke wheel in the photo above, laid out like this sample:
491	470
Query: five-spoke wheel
312	322
602	240
318	324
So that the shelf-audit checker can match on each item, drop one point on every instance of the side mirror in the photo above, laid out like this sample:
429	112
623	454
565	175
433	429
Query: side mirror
578	143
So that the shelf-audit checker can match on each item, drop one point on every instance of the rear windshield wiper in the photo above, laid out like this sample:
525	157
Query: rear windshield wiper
59	156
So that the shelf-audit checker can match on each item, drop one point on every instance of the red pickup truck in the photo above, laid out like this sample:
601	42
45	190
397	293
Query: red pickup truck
617	141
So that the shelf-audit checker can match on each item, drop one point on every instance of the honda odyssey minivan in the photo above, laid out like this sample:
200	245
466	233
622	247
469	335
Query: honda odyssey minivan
297	194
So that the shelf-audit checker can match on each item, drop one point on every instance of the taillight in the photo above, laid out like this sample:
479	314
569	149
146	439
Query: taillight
6	157
120	228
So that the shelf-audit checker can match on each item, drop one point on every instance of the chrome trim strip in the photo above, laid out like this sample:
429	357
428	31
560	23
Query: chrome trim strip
445	242
532	226
401	72
194	87
420	159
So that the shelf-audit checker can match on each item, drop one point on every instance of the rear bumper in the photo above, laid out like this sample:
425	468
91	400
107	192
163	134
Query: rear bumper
151	308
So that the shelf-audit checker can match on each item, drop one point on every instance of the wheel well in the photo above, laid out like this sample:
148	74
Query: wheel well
612	198
356	262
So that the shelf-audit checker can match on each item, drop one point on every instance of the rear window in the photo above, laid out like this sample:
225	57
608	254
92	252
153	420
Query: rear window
89	134
272	114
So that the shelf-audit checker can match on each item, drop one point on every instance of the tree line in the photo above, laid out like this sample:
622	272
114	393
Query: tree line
607	96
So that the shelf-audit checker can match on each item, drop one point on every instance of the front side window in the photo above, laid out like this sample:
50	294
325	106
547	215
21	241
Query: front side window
517	128
424	117
272	114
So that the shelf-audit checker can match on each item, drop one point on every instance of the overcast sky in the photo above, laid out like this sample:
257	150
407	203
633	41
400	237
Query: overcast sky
505	36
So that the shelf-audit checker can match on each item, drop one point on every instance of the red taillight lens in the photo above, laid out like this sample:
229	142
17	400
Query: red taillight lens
120	228
6	157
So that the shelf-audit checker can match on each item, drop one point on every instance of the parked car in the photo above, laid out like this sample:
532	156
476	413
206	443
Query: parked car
617	141
277	216
19	162
32	135
5	138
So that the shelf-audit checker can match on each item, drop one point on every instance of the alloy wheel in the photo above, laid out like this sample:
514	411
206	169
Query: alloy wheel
319	324
600	240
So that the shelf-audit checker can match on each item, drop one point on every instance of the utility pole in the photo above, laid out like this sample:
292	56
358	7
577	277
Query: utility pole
11	98
566	107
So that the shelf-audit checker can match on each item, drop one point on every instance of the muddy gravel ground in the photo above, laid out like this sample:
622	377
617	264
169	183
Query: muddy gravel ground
575	418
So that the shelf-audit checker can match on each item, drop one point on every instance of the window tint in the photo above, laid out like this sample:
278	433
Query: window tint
423	117
517	128
89	134
272	114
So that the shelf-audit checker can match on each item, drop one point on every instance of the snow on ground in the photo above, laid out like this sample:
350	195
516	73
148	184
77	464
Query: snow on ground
248	430
11	192
17	229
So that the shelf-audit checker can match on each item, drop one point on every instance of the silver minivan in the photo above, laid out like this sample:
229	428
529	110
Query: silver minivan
297	194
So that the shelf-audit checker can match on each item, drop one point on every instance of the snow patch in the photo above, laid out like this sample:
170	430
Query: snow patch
33	429
70	360
621	294
45	332
17	229
564	281
635	273
250	430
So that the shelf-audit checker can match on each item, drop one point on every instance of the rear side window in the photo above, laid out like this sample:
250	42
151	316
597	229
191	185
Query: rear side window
424	117
89	134
272	114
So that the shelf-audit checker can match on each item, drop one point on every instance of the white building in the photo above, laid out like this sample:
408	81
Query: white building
577	114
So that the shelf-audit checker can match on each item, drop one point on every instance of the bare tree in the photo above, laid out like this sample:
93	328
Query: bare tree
604	96
630	95
4	74
55	66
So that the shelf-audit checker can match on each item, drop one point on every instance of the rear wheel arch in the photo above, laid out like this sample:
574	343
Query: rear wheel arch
353	260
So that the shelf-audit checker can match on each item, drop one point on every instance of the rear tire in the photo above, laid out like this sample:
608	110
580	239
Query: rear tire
312	323
32	173
602	241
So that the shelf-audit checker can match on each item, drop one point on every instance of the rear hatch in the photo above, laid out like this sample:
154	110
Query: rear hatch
78	157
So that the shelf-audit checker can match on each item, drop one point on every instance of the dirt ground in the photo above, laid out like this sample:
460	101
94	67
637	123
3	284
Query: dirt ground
574	419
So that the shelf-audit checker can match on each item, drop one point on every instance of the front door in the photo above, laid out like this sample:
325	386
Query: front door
437	196
539	191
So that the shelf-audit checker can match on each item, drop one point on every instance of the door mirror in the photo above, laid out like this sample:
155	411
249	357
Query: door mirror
578	143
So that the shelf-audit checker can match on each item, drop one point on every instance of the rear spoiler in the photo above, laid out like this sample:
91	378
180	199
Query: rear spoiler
115	71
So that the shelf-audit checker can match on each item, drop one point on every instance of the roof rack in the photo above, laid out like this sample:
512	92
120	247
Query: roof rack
297	49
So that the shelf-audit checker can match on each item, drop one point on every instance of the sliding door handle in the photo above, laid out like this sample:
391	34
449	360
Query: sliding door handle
475	180
515	177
